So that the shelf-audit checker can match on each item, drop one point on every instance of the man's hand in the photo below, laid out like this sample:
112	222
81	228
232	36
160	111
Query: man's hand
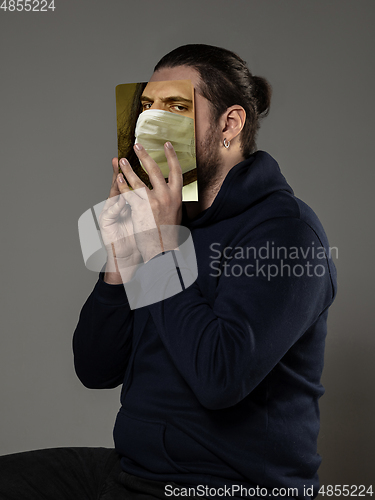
161	206
116	228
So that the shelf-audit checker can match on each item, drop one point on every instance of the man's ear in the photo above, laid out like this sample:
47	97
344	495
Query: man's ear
233	121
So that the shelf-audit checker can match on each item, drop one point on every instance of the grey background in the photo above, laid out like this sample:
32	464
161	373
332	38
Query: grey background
58	135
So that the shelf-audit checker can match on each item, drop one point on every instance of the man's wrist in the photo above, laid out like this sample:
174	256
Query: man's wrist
121	270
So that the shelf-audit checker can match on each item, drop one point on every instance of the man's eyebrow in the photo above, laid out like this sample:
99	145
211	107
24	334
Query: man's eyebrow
176	98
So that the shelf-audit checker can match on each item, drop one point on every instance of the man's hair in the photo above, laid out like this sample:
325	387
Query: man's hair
225	81
126	133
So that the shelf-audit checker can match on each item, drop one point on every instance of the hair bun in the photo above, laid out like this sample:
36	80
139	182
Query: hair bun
262	93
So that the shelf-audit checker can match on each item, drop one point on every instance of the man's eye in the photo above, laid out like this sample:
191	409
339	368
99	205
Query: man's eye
177	107
146	105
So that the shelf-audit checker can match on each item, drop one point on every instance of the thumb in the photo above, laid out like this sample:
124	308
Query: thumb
120	205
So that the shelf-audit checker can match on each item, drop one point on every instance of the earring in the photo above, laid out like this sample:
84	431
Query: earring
226	143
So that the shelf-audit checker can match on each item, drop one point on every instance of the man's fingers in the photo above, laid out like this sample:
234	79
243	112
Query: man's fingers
129	195
151	167
114	191
131	177
113	206
115	165
175	180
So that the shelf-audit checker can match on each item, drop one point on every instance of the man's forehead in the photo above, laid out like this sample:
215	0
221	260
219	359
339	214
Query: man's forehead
183	88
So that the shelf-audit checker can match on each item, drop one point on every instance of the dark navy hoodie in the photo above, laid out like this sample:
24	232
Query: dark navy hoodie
221	382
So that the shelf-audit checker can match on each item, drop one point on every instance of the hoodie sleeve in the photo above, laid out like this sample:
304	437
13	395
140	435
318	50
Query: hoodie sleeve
103	336
261	308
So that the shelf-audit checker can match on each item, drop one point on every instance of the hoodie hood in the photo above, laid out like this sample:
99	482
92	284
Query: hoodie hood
245	185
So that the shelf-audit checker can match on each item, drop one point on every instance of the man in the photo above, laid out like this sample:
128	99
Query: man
221	381
170	116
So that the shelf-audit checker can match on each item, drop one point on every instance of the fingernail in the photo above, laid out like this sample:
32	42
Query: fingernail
138	147
124	162
169	145
120	178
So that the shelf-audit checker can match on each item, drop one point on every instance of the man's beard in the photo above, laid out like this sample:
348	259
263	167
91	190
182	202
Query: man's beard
208	160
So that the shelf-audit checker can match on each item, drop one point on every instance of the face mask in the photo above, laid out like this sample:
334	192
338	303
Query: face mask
155	127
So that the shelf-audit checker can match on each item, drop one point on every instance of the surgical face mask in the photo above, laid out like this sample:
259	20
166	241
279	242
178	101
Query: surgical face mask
155	127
